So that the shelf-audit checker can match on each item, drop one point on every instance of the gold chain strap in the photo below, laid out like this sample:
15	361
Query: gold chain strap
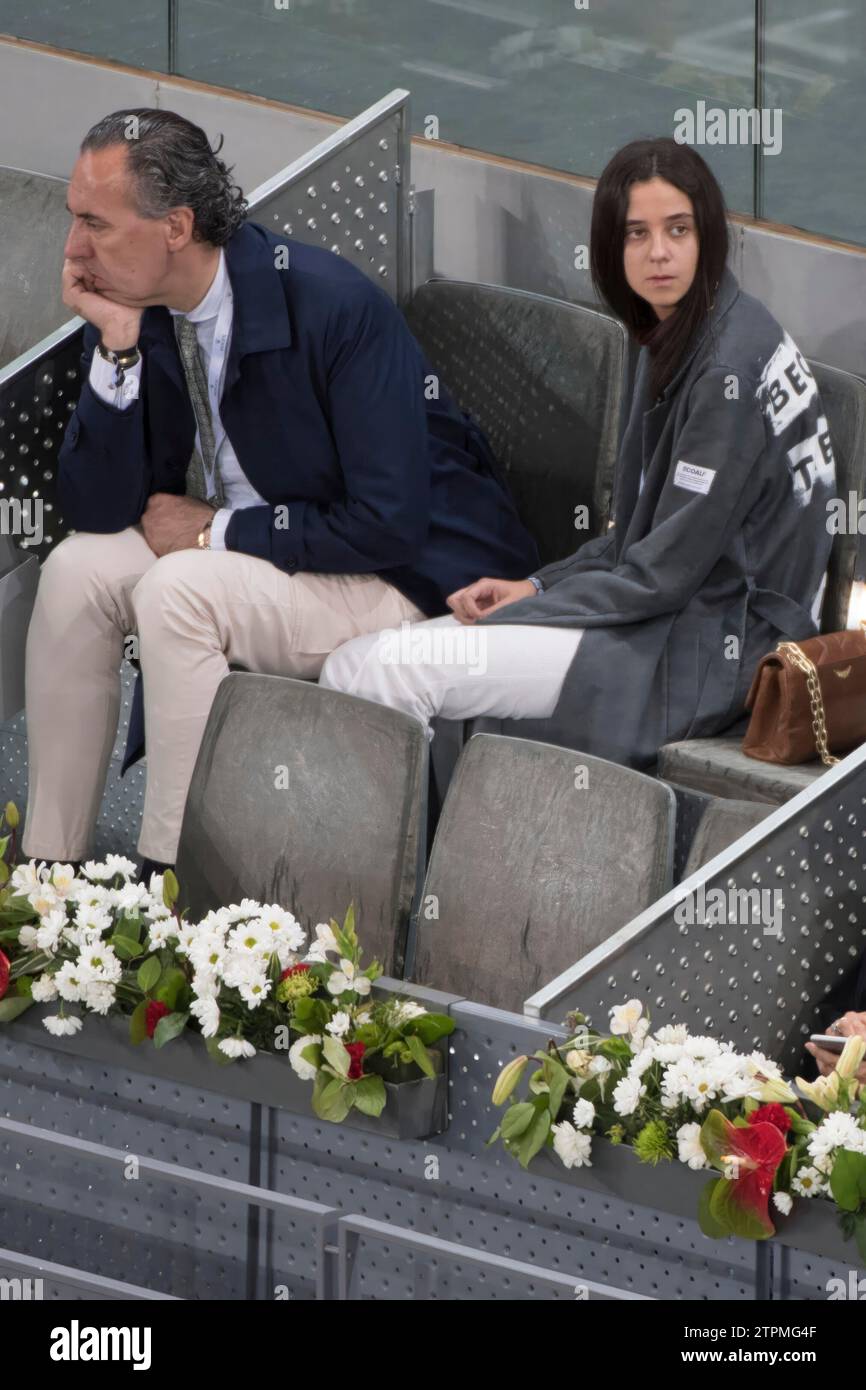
819	722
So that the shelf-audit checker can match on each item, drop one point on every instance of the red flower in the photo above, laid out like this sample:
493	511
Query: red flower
774	1114
4	974
154	1012
295	970
748	1156
356	1052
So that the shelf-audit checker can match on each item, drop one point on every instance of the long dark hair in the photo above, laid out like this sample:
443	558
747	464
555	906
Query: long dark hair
683	167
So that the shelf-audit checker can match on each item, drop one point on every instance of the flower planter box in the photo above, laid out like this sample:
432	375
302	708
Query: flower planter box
413	1110
812	1227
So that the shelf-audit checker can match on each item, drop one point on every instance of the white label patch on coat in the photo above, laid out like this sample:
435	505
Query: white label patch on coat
693	477
787	386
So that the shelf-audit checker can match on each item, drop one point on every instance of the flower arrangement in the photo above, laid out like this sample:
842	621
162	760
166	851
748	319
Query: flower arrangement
670	1095
98	942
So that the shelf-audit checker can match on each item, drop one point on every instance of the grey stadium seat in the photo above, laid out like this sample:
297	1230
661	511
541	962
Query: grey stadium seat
543	378
311	799
34	225
721	824
540	854
718	765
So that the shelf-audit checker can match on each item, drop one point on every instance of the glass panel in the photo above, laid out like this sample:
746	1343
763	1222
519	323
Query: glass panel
538	80
134	34
815	71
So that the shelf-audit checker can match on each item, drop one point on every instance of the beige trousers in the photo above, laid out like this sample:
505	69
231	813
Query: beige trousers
194	611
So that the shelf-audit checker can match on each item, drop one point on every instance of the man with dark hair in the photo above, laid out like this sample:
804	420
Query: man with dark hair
253	473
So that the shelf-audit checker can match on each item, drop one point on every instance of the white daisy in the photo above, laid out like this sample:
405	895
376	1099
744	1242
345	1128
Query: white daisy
44	989
782	1202
572	1147
627	1094
689	1147
160	933
584	1114
206	1010
237	1047
99	995
255	991
809	1183
62	1027
339	1025
119	864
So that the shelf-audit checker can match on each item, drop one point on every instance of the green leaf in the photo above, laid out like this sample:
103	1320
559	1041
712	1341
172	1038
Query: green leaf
169	1026
848	1180
331	1098
170	890
129	924
138	1024
430	1027
369	1095
799	1123
349	927
125	948
420	1055
536	1134
558	1083
172	990
370	1034
12	1006
310	1015
336	1055
732	1216
147	975
517	1119
312	1053
706	1220
4	871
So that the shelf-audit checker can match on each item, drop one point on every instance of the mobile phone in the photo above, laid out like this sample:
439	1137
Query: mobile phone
831	1041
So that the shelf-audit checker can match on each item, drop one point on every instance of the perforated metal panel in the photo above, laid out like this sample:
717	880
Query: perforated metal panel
35	405
455	1188
86	1214
757	986
350	195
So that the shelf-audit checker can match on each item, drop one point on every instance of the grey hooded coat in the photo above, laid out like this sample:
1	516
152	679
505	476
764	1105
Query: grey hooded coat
716	557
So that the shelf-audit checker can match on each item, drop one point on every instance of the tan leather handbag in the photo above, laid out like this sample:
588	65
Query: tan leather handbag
808	700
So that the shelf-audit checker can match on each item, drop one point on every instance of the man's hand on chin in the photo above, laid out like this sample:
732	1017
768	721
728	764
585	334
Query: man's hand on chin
173	523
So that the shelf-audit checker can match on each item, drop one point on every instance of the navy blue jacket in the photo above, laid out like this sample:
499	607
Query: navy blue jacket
324	401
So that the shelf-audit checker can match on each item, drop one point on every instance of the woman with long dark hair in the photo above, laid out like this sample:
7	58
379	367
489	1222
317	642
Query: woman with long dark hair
652	631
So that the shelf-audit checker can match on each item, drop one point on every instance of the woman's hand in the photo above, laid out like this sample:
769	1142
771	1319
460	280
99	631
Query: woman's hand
486	595
848	1026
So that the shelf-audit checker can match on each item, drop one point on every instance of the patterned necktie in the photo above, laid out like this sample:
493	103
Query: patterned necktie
201	465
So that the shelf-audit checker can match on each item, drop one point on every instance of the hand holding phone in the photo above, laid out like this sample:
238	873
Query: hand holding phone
831	1042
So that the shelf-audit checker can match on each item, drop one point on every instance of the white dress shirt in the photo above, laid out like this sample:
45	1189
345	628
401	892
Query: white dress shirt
239	491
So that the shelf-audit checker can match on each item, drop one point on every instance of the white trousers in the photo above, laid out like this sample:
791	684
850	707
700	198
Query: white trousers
443	667
195	612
